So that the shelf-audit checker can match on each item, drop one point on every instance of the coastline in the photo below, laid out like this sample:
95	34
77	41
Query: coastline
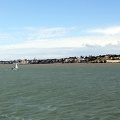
62	63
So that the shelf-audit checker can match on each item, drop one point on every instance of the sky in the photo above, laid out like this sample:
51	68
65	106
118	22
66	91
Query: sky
46	29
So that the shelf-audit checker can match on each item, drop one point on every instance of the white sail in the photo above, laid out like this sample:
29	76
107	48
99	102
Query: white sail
15	67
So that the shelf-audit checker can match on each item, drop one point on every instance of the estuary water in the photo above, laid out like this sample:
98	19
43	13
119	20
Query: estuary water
60	92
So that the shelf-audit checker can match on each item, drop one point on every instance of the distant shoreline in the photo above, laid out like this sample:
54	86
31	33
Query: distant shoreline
62	64
82	59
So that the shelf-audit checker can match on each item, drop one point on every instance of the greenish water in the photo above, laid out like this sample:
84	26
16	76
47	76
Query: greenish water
60	92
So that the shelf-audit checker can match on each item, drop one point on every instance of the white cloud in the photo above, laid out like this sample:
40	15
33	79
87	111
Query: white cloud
54	43
48	32
107	31
62	42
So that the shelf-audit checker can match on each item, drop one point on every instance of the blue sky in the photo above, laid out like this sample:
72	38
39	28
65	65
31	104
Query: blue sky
58	28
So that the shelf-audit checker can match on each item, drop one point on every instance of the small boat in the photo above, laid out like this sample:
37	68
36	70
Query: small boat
15	67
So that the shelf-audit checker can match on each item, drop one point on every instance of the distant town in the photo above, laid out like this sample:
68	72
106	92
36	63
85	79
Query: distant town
109	58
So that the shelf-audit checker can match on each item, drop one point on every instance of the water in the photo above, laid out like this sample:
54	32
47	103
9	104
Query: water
60	92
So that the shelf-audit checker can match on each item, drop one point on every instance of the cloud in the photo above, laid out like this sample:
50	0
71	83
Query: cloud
107	31
63	47
62	42
48	32
56	43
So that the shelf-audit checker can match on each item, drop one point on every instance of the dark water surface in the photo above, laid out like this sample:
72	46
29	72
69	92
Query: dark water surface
60	92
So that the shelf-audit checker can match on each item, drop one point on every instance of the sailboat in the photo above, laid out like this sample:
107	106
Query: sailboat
15	67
